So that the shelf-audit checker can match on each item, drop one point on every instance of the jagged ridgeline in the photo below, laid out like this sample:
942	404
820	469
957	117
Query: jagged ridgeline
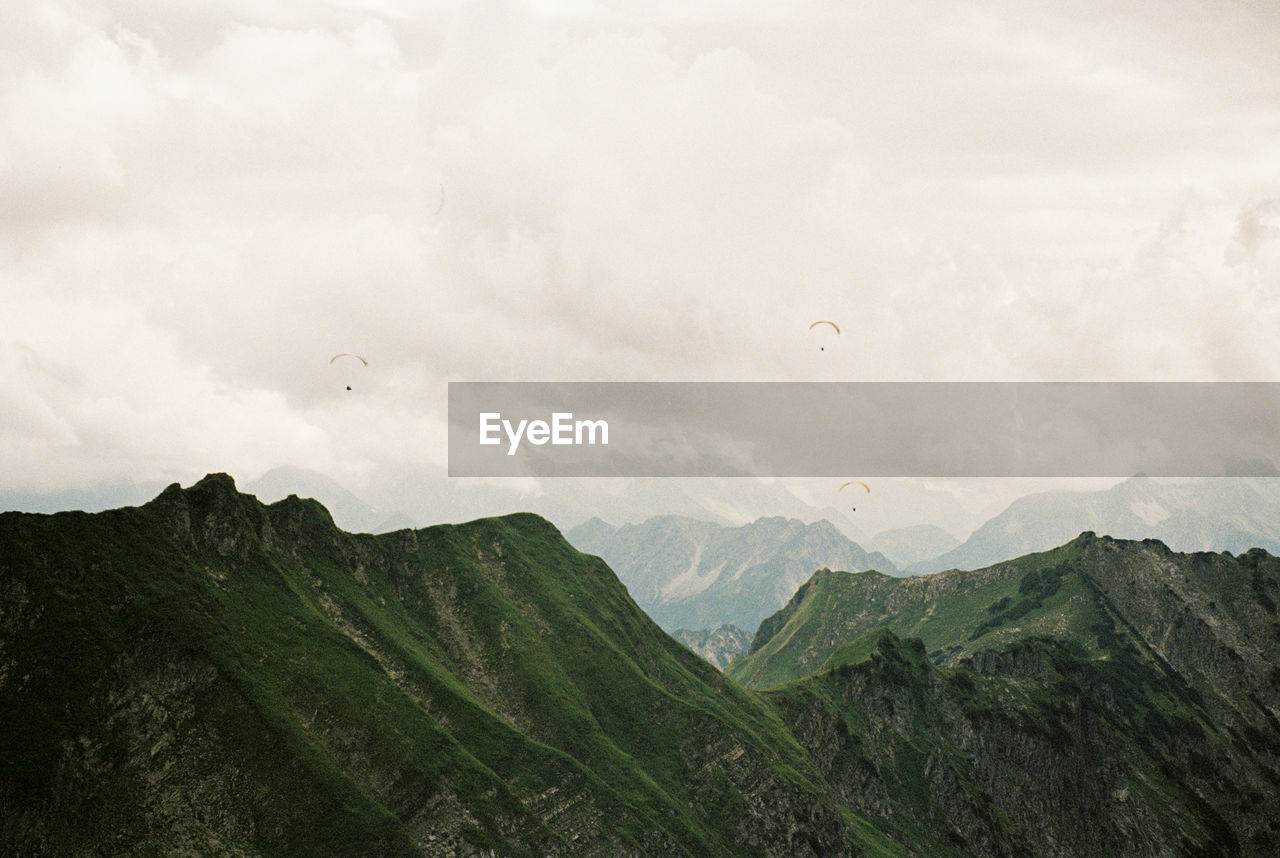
208	675
1105	698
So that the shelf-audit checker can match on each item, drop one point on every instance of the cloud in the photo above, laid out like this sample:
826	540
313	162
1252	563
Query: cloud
206	202
65	113
101	400
1257	233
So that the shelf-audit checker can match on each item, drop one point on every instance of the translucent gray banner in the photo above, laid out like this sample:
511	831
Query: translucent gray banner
867	429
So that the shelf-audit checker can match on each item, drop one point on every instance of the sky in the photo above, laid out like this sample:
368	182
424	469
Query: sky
203	202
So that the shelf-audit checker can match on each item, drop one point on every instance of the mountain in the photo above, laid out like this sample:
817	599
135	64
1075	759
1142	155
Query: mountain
349	511
593	531
1214	514
698	575
94	498
429	494
915	544
205	674
1072	592
718	646
1037	749
1107	697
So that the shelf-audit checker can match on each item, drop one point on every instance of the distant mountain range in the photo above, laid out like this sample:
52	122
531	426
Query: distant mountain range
718	646
349	511
1229	513
207	674
690	574
1215	514
1218	514
429	495
906	546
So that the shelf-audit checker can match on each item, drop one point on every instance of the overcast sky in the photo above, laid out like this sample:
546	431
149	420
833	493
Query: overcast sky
203	202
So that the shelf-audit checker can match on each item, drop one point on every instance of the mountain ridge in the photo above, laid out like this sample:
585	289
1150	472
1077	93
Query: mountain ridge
693	574
996	603
1117	669
1210	514
463	689
208	674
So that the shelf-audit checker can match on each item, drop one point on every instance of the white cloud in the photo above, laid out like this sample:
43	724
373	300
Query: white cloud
205	202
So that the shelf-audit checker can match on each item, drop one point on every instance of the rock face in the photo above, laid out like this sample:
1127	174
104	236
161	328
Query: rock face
718	646
208	675
690	574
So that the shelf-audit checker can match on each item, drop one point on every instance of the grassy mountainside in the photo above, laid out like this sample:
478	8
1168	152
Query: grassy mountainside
207	674
1090	587
955	613
1103	698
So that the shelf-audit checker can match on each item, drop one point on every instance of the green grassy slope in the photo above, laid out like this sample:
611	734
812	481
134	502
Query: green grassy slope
209	674
1108	697
955	613
1213	615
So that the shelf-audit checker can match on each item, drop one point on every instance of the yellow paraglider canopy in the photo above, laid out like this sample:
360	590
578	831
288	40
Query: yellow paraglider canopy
824	322
855	483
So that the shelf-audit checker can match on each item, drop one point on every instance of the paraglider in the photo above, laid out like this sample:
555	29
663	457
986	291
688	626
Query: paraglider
834	326
854	483
348	355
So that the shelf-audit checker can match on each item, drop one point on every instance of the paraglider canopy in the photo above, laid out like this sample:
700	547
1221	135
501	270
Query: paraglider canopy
833	325
855	483
349	359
